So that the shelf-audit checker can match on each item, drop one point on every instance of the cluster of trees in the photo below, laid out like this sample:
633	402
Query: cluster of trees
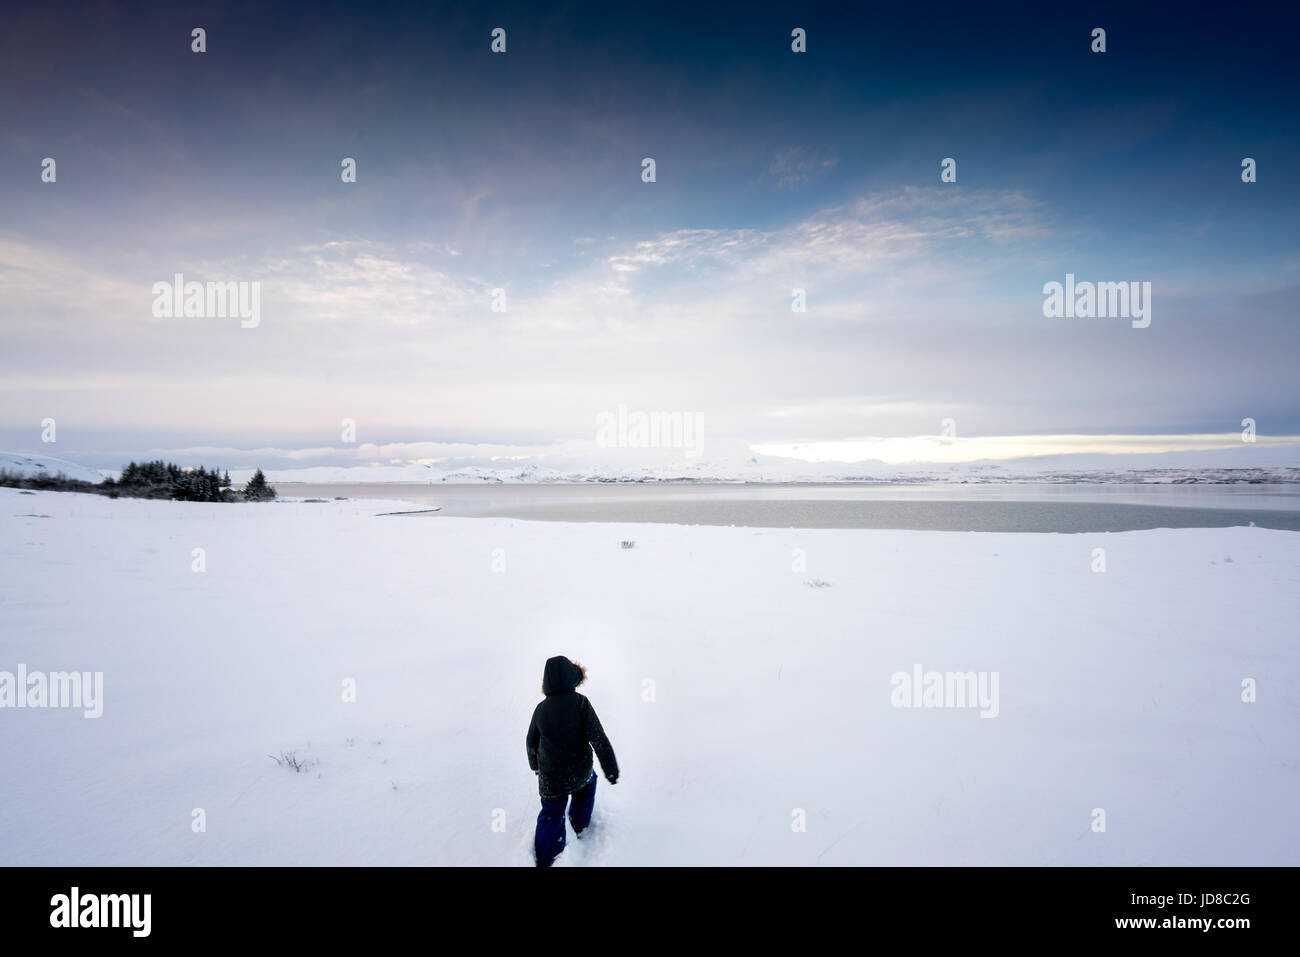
159	479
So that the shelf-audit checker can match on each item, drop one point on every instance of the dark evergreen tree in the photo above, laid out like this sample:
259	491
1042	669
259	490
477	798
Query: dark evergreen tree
257	489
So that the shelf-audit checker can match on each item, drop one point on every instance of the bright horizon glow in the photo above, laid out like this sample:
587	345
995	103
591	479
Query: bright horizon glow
937	449
724	456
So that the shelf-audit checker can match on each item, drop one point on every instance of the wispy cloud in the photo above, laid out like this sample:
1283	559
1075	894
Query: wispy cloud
796	165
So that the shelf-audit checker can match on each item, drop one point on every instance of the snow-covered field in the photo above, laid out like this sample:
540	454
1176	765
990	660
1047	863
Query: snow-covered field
742	695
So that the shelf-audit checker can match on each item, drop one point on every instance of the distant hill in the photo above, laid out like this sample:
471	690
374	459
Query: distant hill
35	466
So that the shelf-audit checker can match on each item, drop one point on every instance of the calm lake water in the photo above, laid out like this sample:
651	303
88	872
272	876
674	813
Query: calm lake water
1021	507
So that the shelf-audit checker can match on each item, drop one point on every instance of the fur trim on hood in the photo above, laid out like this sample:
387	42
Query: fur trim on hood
561	674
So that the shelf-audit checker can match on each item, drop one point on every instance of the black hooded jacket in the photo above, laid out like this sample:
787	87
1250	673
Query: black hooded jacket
563	732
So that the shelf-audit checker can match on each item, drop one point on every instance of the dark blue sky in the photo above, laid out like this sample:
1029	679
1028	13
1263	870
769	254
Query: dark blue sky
521	171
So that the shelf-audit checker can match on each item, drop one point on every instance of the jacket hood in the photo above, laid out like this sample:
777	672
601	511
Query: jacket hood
560	674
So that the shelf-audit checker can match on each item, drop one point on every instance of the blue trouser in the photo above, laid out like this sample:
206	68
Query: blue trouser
548	842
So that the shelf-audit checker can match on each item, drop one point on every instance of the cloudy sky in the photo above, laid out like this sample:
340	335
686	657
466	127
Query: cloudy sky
522	171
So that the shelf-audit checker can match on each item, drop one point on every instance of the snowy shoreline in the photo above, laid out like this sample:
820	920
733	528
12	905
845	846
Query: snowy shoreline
769	653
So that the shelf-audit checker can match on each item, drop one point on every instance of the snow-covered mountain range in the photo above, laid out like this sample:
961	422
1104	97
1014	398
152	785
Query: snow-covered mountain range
764	471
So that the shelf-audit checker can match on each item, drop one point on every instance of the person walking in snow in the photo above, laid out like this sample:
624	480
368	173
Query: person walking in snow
561	737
